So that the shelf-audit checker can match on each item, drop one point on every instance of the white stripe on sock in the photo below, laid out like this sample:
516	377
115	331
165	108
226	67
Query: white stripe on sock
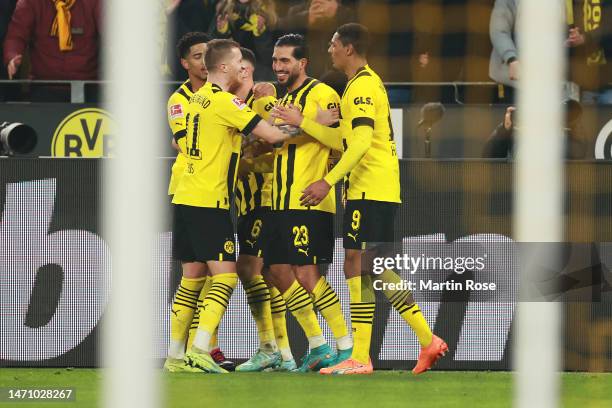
286	354
202	340
176	349
344	342
316	341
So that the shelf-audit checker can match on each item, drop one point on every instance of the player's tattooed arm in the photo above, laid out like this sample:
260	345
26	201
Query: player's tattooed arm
269	133
291	115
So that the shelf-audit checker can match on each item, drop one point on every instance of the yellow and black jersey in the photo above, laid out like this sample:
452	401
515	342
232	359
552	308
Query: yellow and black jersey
177	105
365	103
254	190
302	160
215	122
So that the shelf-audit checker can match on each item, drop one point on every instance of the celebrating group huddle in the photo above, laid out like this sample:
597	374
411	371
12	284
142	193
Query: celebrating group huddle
274	152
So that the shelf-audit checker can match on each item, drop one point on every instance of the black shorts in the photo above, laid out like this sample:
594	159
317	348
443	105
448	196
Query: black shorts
367	221
299	237
250	231
202	234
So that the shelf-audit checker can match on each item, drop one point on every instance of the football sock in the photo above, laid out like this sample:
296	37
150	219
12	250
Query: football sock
328	304
258	298
279	309
362	315
183	309
214	306
196	316
300	305
403	302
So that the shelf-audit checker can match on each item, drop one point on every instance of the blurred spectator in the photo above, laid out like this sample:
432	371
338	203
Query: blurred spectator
250	23
6	11
445	36
501	142
504	62
317	20
590	41
452	44
63	41
62	38
186	16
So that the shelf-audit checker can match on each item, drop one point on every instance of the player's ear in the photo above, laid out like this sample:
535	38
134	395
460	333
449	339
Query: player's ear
350	50
184	64
303	63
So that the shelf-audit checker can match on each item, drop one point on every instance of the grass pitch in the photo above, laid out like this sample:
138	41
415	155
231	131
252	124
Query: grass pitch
286	390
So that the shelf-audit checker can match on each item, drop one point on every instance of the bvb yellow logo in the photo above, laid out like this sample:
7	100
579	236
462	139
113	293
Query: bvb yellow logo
229	247
83	133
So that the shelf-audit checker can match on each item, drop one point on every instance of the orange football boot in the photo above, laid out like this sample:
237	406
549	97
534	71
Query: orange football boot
429	355
349	366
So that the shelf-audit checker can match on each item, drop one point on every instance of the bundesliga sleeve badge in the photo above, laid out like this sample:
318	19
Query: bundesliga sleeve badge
239	103
176	111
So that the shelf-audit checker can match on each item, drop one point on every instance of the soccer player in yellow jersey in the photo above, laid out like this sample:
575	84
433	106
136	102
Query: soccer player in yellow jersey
191	49
372	190
253	205
303	236
191	291
202	230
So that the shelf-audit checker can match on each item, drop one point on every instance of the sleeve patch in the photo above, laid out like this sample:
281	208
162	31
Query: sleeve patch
239	103
176	111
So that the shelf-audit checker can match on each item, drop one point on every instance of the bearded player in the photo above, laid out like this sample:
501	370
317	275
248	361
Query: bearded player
372	190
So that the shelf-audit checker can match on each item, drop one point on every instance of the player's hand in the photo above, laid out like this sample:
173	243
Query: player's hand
13	66
262	89
327	117
287	115
315	193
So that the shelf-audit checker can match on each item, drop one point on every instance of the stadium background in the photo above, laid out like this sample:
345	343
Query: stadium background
54	262
56	266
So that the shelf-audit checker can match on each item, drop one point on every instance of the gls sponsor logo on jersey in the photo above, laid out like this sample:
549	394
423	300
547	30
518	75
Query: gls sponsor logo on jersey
363	100
84	133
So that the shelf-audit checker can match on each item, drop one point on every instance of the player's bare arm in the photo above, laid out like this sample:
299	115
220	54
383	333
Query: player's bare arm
269	133
319	128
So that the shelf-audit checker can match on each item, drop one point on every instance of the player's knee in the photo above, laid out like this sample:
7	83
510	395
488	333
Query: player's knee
194	270
247	267
352	263
307	276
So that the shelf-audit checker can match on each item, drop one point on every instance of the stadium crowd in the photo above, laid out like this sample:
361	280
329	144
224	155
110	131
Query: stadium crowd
416	40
